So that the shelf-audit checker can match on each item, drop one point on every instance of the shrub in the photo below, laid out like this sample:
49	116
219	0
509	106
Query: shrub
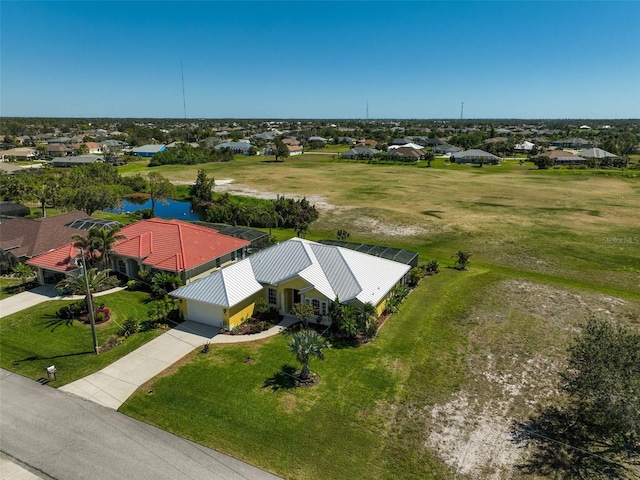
129	327
133	285
415	275
432	267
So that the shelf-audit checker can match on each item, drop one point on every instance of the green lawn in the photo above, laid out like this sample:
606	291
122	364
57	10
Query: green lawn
348	426
34	338
5	286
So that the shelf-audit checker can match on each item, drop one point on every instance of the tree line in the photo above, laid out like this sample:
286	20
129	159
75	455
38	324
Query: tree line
89	188
282	212
185	154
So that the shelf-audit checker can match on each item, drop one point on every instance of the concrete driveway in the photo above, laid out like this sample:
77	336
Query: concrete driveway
35	296
24	300
112	385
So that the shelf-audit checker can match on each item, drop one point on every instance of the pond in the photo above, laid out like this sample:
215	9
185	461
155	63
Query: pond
173	208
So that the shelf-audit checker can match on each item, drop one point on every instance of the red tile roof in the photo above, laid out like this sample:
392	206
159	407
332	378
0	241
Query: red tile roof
58	259
174	245
170	245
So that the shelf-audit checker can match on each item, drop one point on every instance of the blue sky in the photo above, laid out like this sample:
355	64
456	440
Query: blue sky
294	59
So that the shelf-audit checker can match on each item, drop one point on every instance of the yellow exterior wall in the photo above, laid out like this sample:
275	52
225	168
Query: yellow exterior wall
183	308
242	311
381	306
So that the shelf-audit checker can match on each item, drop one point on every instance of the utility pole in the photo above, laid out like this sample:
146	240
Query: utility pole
462	111
92	320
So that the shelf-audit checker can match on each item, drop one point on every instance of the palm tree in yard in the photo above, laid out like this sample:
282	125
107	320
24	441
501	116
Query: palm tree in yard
305	345
98	282
462	259
98	244
103	241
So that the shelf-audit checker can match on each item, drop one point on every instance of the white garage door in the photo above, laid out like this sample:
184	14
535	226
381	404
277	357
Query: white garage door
204	313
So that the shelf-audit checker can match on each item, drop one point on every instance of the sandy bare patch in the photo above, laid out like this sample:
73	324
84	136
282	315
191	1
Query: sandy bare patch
509	375
237	189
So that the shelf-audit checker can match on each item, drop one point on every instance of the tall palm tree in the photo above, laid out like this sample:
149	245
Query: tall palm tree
305	345
83	243
98	244
103	241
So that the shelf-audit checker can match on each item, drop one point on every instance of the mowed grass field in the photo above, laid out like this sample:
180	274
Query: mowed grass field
435	396
577	227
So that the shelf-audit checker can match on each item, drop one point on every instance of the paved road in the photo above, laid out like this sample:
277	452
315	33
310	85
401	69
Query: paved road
60	436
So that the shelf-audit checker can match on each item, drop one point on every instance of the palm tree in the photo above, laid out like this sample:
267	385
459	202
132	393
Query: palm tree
305	345
84	244
103	240
462	259
98	281
368	320
164	282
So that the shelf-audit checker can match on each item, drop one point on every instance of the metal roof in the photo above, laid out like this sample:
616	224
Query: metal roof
333	271
280	262
336	270
225	287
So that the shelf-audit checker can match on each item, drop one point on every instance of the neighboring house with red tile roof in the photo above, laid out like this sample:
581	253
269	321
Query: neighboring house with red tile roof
25	238
158	245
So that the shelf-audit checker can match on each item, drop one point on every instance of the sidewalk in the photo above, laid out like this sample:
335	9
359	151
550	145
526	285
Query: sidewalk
9	470
114	384
44	293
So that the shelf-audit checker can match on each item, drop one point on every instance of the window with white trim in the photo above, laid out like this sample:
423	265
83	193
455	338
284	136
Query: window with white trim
272	296
316	306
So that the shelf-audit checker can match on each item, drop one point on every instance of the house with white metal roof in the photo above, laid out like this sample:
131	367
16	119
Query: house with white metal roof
291	272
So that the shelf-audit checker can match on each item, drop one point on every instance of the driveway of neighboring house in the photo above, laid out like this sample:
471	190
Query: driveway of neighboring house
44	293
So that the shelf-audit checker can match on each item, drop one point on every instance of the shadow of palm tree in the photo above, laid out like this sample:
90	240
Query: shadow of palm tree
282	380
52	357
54	322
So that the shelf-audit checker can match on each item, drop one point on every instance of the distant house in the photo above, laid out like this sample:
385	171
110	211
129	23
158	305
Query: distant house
292	141
446	149
77	160
172	246
238	148
147	150
24	238
295	149
560	157
598	154
357	153
21	153
407	152
415	146
524	146
294	271
475	157
316	138
58	149
368	143
113	144
575	143
400	141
